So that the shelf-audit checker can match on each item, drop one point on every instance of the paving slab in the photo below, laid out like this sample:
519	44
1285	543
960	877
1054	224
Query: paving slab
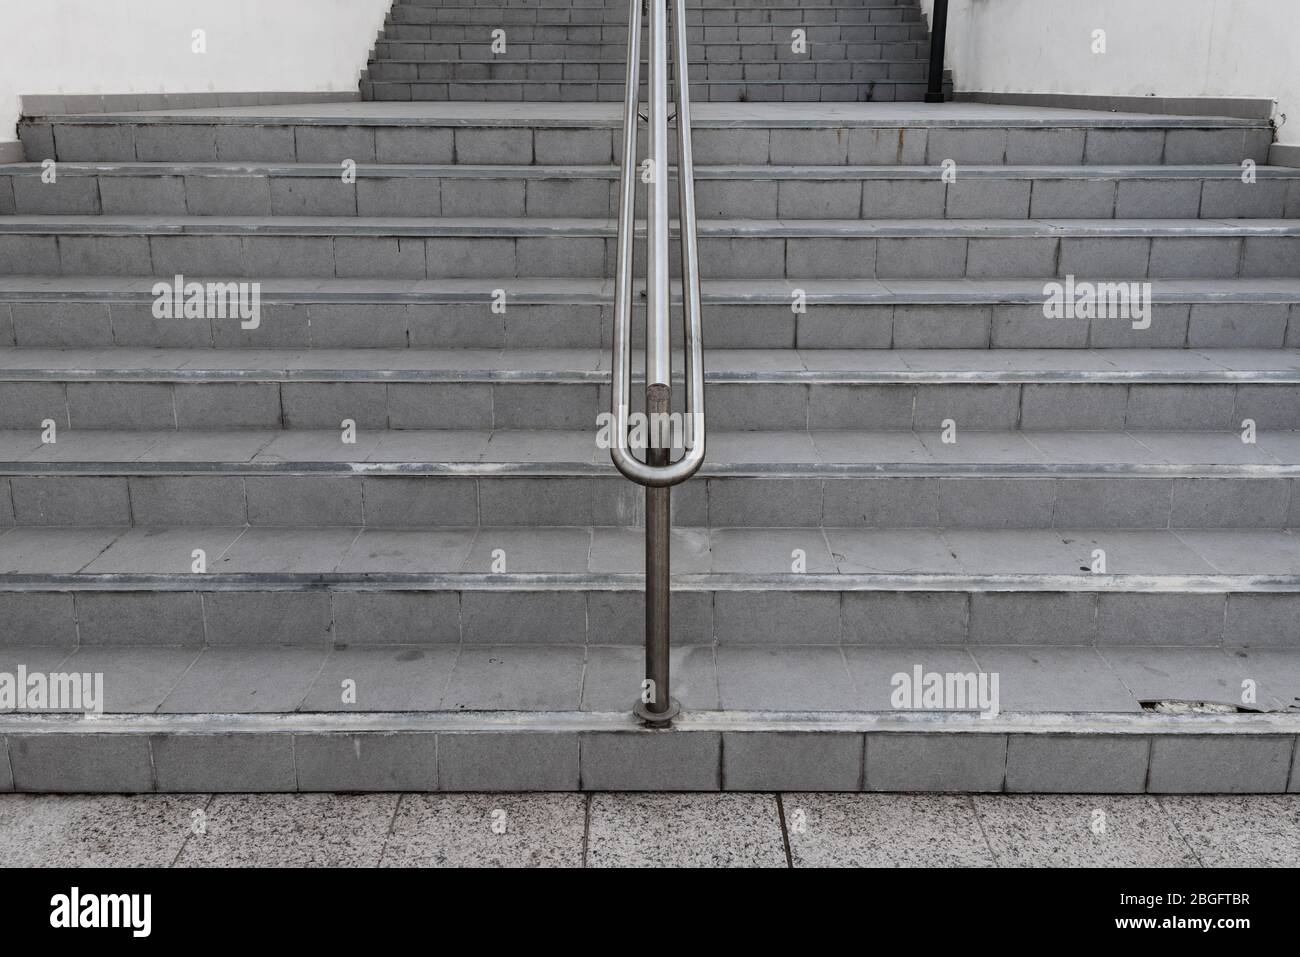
516	678
102	831
245	680
1244	551
1074	831
1137	552
393	678
292	830
789	678
1055	679
1011	552
875	670
35	658
770	551
884	830
412	550
684	830
478	830
52	550
616	550
614	675
1263	831
164	550
287	550
1199	674
1277	674
523	550
136	680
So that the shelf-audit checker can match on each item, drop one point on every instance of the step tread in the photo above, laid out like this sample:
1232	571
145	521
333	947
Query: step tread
697	82
703	115
586	59
1225	172
808	454
571	558
605	678
849	366
161	224
20	288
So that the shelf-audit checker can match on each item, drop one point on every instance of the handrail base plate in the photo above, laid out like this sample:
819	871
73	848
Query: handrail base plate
657	719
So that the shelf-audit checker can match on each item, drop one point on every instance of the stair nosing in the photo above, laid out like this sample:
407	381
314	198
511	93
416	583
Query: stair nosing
715	292
1087	583
807	471
532	226
84	169
608	115
1093	724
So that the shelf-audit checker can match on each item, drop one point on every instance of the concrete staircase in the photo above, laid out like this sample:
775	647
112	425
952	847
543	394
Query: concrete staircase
470	563
576	50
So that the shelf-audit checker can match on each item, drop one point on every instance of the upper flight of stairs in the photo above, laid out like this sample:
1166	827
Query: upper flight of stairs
472	561
741	51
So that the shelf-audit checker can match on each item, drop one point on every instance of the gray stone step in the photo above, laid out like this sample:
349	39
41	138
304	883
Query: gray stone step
723	192
1034	390
581	91
943	587
695	15
449	677
458	478
474	561
876	134
449	247
743	7
612	72
58	312
499	718
706	43
478	50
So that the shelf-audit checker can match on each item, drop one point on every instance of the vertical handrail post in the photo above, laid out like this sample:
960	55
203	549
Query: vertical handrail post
658	379
938	44
658	472
661	708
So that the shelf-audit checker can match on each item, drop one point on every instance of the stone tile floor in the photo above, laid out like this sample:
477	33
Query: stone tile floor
649	830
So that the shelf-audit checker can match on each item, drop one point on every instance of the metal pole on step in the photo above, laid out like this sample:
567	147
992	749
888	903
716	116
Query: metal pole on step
938	42
661	709
658	472
658	378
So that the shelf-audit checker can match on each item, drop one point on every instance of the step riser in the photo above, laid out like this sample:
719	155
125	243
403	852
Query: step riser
712	5
615	54
1040	197
577	256
877	31
884	91
429	143
612	73
196	616
507	17
382	502
356	759
85	324
1069	406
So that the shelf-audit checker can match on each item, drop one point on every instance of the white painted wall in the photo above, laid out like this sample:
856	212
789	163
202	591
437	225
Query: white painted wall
1247	48
144	46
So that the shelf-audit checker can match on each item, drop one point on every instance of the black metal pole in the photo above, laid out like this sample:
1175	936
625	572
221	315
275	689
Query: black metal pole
660	709
938	40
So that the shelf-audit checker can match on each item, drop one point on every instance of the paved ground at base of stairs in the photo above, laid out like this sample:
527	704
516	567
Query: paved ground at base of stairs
647	830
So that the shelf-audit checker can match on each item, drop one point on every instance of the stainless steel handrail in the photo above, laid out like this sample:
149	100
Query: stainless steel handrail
658	473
